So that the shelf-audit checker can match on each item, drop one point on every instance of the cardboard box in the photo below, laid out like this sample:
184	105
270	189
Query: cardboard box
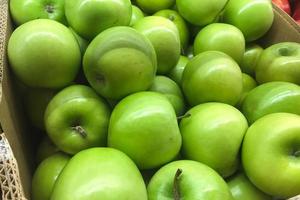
16	152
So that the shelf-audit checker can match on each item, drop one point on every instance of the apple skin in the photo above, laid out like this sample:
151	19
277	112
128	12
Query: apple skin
165	39
253	18
279	62
153	6
83	43
44	53
136	15
212	135
46	174
23	11
120	61
200	12
197	181
242	189
250	58
221	37
212	76
77	118
179	22
89	17
248	84
45	149
172	91
176	73
272	146
103	173
271	97
144	126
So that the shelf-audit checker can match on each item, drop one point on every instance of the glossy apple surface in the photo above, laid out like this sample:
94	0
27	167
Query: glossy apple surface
251	58
248	84
83	43
154	5
176	73
136	15
144	126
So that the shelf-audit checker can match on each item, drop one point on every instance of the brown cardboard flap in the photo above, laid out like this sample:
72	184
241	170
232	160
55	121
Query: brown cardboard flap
3	31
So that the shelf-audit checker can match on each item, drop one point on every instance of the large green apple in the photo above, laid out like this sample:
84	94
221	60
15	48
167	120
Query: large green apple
45	149
136	15
213	134
250	58
176	73
189	180
77	118
100	173
172	91
46	174
144	126
279	62
248	84
200	12
271	154
89	17
165	39
253	17
152	6
120	61
221	37
242	189
26	10
44	53
212	76
181	25
271	97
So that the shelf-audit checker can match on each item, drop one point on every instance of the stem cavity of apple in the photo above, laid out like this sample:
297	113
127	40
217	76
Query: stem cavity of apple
80	130
184	116
49	8
297	154
176	192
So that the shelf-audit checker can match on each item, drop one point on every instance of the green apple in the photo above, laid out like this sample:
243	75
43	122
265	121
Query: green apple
176	73
144	126
26	10
221	37
45	149
271	97
179	22
89	17
212	76
248	84
46	175
120	61
171	90
213	134
190	52
271	152
200	12
253	17
136	15
189	180
100	173
279	62
77	118
83	43
250	58
44	53
242	189
152	6
164	37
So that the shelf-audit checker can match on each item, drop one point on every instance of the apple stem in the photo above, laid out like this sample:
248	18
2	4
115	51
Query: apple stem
184	116
80	130
176	192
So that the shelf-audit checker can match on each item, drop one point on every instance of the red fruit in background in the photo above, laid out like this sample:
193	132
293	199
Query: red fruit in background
296	14
284	5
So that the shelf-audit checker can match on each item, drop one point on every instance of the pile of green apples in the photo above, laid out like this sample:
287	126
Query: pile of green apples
158	99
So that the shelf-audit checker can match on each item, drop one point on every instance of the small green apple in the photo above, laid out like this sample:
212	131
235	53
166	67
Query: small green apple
120	61
26	10
242	189
221	37
248	84
272	147
44	53
45	149
176	73
212	134
100	173
164	37
136	15
152	6
212	76
253	17
144	126
279	62
250	58
46	175
189	180
83	43
77	118
171	90
89	17
271	97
